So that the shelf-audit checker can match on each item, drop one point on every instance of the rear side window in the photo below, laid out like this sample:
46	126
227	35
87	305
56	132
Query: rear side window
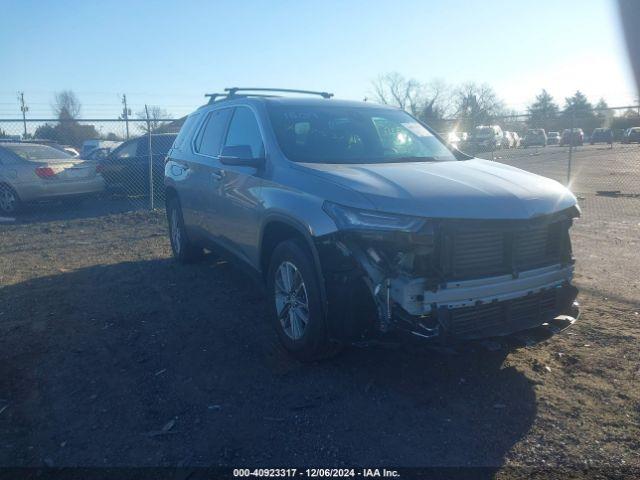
210	137
32	152
186	131
127	150
160	144
244	130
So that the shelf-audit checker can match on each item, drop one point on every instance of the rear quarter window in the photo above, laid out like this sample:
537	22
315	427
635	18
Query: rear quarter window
186	132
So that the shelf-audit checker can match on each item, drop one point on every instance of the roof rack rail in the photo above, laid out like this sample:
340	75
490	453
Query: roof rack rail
213	97
234	90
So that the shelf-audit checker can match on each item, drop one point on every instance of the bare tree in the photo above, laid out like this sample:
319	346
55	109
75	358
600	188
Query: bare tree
476	104
427	101
436	103
66	105
393	89
157	118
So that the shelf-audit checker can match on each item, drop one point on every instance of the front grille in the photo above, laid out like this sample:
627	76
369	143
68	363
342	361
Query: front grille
484	251
478	253
499	318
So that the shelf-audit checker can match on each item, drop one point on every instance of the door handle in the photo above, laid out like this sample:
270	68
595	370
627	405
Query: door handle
217	175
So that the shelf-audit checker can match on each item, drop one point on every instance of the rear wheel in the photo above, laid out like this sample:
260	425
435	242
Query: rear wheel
296	305
9	200
183	249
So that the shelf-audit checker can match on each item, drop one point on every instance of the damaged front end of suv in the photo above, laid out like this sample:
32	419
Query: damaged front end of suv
447	279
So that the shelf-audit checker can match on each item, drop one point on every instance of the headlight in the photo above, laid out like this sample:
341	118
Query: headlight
348	218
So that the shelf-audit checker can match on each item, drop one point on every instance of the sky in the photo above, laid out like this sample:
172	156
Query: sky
169	53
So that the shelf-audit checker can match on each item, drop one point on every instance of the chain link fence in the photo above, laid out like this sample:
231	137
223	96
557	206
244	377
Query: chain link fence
596	153
102	159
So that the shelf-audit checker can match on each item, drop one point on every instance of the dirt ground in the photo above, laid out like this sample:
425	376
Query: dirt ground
111	354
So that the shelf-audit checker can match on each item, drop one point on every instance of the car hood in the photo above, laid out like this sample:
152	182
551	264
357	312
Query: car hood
478	189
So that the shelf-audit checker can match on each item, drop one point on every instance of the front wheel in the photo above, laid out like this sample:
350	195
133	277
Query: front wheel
9	200
296	305
184	251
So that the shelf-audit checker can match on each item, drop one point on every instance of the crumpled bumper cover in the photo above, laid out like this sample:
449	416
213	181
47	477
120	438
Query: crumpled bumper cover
527	319
543	298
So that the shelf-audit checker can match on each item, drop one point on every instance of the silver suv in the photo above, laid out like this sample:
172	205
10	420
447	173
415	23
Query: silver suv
361	221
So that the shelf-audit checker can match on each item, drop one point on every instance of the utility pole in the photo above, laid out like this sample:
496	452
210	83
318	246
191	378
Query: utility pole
24	109
125	113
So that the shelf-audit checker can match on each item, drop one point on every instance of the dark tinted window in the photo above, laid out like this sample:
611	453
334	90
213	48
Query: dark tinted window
244	130
160	144
210	137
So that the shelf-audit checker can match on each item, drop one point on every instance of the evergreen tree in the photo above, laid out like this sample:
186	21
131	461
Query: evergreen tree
543	112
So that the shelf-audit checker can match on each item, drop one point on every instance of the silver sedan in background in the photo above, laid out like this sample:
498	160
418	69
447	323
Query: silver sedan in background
31	172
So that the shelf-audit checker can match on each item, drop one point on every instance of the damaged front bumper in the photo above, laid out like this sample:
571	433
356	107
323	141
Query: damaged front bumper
485	307
551	306
365	295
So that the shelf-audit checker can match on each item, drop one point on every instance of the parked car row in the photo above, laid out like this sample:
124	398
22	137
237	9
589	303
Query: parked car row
492	137
31	172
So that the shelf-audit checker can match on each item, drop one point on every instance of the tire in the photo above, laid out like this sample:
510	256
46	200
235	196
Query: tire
9	200
296	298
184	251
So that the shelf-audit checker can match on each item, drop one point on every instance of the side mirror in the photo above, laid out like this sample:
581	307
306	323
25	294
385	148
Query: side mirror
240	155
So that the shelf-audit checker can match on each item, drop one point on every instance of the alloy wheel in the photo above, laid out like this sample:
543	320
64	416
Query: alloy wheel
292	302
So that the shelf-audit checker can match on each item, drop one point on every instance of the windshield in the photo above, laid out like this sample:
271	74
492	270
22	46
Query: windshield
37	152
327	134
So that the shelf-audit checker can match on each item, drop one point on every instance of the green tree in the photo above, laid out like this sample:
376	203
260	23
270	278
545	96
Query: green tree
579	112
46	132
578	105
604	115
543	112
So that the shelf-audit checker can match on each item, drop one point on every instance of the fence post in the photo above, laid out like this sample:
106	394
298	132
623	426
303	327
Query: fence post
573	121
146	109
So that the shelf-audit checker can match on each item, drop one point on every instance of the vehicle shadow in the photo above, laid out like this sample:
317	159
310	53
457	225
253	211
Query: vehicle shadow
153	363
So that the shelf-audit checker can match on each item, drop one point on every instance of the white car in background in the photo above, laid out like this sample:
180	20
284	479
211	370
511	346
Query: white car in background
507	139
32	172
